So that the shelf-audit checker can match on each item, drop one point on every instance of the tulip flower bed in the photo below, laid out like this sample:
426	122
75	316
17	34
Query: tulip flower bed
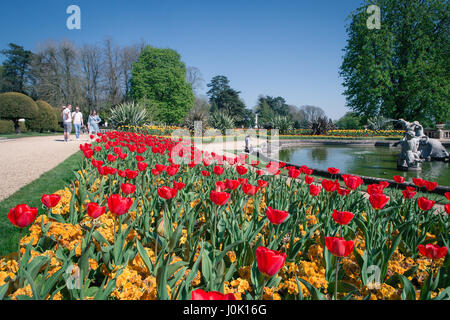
137	225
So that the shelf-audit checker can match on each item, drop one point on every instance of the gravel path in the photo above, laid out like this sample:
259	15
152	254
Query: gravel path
26	159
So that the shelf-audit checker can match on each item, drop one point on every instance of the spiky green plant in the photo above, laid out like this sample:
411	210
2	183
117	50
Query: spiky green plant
196	116
283	124
129	113
221	121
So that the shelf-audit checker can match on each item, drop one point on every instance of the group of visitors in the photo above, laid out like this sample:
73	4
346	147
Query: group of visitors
76	118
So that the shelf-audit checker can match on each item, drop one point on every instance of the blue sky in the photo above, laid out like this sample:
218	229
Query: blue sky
291	49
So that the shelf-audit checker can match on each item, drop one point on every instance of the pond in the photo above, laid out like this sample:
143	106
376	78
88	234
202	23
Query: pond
378	162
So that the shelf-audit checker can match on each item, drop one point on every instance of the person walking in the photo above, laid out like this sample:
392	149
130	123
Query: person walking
67	122
77	121
93	122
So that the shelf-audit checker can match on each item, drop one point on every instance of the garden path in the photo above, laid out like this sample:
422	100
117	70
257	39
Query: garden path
26	159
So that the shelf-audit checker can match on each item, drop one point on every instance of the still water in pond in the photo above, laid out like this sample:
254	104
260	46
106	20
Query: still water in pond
378	162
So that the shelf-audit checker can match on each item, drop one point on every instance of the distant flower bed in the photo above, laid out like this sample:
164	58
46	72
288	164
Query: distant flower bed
365	133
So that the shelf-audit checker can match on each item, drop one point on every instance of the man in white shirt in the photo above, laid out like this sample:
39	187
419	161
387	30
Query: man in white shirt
77	117
67	122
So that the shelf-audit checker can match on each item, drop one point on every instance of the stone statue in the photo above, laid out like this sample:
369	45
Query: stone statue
416	145
409	157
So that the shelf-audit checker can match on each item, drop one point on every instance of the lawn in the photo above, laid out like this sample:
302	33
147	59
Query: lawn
49	182
28	134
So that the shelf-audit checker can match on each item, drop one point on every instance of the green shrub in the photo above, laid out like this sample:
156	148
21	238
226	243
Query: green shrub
46	119
15	106
6	126
23	127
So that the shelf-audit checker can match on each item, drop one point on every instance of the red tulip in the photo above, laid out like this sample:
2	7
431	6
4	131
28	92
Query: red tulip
171	170
121	173
338	246
178	185
352	182
111	170
127	188
375	188
206	173
425	204
432	251
343	192
293	173
142	166
88	153
232	184
409	192
139	158
399	179
130	174
219	198
94	210
220	186
447	208
309	179
276	216
241	170
167	192
269	261
96	163
333	171
329	185
219	170
254	163
260	172
111	157
155	172
123	156
447	195
430	186
22	215
418	182
119	205
314	190
378	200
342	217
199	294
249	189
262	183
160	167
50	200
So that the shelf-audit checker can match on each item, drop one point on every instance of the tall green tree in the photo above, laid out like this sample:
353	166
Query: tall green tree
402	69
226	99
159	75
16	69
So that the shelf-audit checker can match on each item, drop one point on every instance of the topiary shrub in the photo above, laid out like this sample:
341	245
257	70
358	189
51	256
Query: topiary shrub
6	126
46	119
15	106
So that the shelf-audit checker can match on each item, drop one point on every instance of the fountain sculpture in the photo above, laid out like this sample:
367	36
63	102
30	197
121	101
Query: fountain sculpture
416	147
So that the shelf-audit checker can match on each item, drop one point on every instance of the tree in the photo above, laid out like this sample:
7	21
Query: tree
312	113
225	99
160	75
400	70
195	78
350	120
91	64
57	74
15	106
16	69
